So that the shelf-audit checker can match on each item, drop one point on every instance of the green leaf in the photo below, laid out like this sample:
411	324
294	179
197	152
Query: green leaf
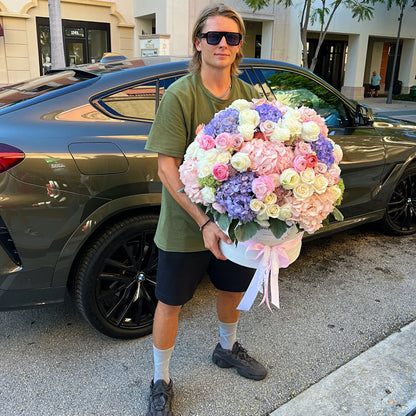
223	221
244	232
277	227
337	214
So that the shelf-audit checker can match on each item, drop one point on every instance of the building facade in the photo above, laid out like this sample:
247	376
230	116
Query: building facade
351	52
90	28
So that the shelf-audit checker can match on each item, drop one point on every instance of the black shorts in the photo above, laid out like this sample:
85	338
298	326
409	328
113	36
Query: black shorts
179	274
375	87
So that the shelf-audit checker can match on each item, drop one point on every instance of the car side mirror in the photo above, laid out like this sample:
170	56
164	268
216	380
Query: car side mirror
364	115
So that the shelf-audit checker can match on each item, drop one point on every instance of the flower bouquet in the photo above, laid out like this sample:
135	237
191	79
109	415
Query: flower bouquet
265	173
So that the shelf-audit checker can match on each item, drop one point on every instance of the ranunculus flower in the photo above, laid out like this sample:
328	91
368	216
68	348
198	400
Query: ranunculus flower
310	131
311	160
240	161
289	178
300	163
223	141
206	142
220	171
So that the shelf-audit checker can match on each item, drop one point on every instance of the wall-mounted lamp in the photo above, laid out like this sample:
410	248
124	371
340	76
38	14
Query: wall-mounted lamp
2	31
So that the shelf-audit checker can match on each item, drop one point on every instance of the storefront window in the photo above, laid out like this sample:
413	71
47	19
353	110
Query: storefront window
83	42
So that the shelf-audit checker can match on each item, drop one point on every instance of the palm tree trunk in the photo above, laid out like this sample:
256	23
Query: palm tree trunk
57	42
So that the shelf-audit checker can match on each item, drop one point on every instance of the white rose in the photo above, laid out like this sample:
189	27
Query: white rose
240	161
310	131
336	191
223	157
285	212
192	150
262	216
240	105
249	117
204	168
273	210
262	223
256	205
293	125
270	198
307	175
208	194
338	152
320	184
280	134
303	191
211	155
289	178
247	131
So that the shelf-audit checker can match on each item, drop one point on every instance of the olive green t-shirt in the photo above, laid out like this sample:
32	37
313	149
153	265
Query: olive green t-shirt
185	105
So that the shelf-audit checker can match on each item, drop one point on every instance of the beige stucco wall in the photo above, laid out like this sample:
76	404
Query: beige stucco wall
19	49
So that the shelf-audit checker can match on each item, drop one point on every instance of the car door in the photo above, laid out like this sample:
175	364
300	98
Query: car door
364	154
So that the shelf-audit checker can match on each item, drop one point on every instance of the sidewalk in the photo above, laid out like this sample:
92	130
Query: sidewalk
378	105
381	381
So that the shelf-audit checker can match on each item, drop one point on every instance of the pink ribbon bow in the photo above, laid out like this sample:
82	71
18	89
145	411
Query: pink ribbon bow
267	273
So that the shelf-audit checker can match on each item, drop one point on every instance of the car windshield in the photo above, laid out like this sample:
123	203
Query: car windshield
22	91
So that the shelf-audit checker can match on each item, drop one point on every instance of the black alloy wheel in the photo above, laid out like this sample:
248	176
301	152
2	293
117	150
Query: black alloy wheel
400	217
116	278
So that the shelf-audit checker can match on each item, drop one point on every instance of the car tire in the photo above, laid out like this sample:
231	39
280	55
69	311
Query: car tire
400	216
116	278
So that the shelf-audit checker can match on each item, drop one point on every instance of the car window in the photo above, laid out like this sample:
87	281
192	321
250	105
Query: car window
296	89
138	102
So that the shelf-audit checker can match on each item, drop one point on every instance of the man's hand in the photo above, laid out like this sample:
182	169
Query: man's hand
212	235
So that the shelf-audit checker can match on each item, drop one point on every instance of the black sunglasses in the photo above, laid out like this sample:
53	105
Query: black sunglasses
214	38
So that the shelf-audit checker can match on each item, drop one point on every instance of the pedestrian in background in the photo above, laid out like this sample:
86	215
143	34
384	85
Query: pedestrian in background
187	239
375	84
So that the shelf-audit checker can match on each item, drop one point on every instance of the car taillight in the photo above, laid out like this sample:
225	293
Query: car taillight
9	156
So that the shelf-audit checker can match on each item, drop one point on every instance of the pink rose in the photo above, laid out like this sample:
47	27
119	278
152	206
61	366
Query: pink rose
300	163
238	140
262	186
220	171
206	142
320	168
267	127
223	141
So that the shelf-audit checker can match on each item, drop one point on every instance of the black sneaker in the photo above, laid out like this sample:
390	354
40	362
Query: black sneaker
237	357
160	399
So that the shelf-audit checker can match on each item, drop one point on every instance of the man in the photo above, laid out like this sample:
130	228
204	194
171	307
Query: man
186	238
375	84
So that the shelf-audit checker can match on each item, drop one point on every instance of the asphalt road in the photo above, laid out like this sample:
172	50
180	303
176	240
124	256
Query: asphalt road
344	294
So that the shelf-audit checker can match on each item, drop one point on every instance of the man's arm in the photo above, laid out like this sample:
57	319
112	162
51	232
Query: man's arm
169	175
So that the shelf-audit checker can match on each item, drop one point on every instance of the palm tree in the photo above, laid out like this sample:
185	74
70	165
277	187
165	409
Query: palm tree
57	42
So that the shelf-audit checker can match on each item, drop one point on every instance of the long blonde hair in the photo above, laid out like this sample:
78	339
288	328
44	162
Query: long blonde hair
211	11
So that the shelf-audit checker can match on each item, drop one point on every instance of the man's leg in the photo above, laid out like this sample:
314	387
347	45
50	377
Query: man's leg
236	356
165	328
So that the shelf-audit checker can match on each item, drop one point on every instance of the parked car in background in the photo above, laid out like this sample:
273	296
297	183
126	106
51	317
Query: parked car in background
80	196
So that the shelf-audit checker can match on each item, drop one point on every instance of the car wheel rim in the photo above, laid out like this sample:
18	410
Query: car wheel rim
401	209
125	286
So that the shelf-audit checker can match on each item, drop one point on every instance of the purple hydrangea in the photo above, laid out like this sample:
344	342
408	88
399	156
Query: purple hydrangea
268	112
224	121
323	149
235	196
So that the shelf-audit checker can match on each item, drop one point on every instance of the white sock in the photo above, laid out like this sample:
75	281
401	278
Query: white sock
161	360
228	335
